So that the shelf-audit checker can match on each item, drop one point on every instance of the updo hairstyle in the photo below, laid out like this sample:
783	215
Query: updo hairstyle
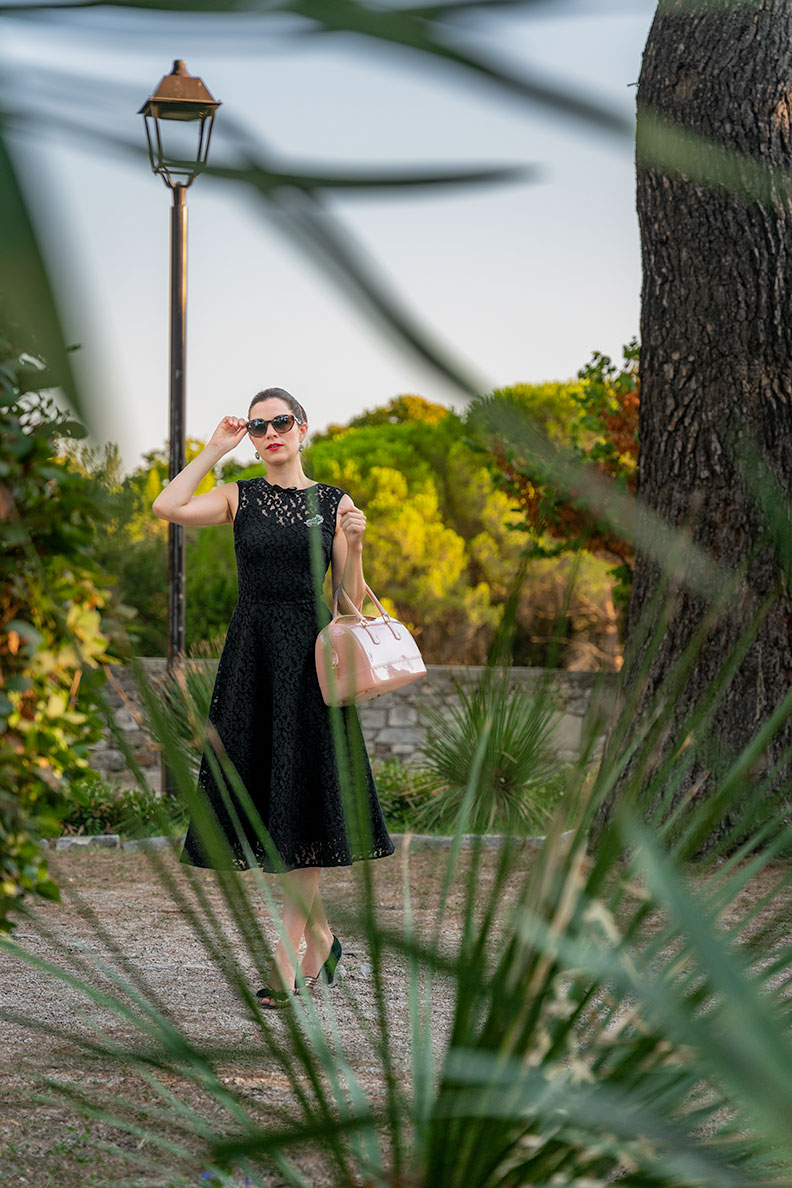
286	397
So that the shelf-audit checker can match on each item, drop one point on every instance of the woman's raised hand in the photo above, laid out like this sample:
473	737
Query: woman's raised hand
228	433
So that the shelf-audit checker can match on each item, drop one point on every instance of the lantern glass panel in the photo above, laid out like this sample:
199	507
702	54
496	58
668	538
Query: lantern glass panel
181	144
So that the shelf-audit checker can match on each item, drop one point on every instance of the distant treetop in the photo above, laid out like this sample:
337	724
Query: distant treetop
400	410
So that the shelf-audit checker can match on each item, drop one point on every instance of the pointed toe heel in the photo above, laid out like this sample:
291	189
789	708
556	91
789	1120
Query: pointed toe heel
327	972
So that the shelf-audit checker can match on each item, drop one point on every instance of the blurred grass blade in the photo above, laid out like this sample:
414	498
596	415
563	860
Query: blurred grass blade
315	230
756	1059
670	148
27	296
417	31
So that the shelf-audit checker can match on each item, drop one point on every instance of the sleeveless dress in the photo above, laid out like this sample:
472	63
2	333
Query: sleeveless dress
267	707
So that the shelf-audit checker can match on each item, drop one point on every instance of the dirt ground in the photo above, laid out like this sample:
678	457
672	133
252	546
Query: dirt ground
46	1142
117	919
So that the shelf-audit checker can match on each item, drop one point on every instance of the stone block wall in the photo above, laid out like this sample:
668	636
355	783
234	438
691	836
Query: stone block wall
392	725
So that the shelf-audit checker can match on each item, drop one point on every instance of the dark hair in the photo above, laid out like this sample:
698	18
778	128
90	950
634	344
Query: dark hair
286	397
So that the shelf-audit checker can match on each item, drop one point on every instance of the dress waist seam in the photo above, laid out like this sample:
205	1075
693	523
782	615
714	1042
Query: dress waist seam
245	599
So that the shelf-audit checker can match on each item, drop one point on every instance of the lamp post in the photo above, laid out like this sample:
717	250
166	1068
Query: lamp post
180	102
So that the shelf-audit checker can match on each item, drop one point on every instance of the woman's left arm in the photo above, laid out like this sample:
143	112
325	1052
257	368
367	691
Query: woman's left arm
348	550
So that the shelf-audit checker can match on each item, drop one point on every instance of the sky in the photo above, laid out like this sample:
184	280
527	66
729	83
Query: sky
522	282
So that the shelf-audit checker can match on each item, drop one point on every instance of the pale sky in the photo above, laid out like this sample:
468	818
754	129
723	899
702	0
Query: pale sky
523	282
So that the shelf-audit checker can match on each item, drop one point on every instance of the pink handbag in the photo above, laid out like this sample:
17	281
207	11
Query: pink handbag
358	657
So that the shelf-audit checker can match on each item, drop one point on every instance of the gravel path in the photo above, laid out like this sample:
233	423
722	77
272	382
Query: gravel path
49	1143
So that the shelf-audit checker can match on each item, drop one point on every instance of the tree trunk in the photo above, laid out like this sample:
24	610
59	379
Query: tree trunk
716	357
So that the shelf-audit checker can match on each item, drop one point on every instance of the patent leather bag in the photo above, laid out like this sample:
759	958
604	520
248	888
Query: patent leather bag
360	657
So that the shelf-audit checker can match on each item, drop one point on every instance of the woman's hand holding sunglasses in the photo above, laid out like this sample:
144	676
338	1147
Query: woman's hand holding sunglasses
229	433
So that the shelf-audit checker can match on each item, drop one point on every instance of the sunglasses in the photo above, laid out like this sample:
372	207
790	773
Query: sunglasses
281	424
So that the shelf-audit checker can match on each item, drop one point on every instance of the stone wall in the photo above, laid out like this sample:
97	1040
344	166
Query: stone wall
391	724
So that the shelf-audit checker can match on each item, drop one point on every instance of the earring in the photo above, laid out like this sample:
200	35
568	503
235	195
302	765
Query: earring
302	447
258	456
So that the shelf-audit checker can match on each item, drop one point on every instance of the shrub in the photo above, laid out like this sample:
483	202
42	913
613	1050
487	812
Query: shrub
188	695
90	806
93	806
55	632
497	737
402	791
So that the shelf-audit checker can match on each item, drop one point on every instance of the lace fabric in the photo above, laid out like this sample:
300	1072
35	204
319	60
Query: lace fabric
267	711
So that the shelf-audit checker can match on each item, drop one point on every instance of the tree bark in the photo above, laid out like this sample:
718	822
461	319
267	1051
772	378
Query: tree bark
716	358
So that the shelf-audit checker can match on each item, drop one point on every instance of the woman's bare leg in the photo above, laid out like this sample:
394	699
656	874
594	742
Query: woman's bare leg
318	937
299	891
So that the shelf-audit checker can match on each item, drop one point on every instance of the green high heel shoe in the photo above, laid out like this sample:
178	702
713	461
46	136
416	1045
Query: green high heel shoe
281	998
327	972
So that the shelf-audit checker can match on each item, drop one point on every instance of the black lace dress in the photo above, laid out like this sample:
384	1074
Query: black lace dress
267	708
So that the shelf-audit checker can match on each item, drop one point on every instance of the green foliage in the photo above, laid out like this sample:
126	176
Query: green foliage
401	792
512	775
156	465
554	406
605	431
24	823
404	446
134	549
595	420
133	546
578	431
92	806
56	624
188	698
449	569
402	410
230	470
211	585
438	543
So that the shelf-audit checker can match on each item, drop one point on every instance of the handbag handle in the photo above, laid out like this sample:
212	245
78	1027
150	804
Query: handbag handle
361	617
340	590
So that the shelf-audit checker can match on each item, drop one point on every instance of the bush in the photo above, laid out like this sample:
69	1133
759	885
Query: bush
55	632
93	806
402	791
188	696
497	739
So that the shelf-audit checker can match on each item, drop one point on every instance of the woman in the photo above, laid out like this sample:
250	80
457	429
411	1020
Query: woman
267	711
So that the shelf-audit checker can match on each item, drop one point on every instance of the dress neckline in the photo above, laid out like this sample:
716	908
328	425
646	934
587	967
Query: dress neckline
278	487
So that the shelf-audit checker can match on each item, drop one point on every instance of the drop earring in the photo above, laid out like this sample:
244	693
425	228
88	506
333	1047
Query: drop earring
258	456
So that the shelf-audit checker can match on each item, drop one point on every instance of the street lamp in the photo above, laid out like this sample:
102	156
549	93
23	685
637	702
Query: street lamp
182	98
171	114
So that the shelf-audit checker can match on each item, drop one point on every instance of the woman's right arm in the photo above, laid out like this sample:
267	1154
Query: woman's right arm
179	504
